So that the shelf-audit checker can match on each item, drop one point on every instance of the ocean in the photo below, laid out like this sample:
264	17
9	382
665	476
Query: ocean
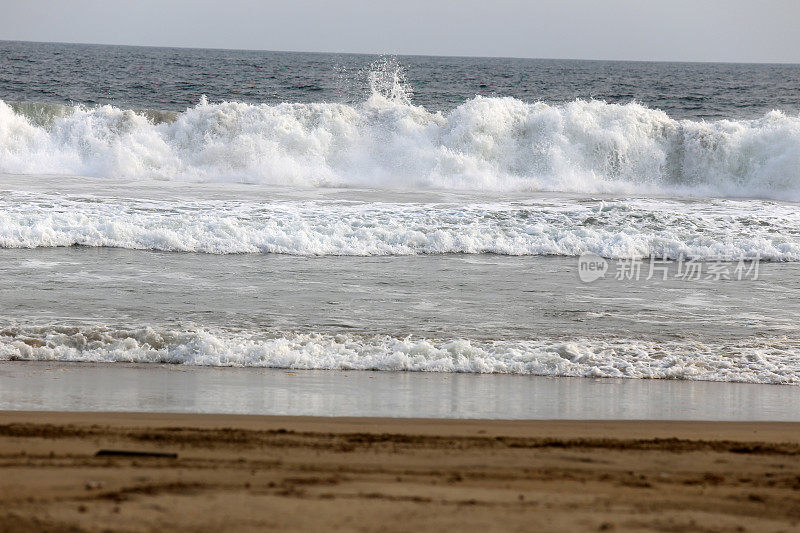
590	219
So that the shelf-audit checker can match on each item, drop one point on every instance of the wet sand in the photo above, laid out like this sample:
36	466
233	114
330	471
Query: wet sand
314	473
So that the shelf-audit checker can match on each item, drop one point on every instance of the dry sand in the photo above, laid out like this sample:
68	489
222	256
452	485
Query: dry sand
315	474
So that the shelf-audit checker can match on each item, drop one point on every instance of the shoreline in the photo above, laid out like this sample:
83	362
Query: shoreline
289	473
126	387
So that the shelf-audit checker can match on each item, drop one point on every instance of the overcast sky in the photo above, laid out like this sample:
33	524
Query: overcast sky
683	30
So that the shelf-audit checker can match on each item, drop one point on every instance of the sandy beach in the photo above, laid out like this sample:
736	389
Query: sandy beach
289	473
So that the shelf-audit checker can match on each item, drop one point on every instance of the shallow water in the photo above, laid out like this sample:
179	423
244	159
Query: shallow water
465	313
180	389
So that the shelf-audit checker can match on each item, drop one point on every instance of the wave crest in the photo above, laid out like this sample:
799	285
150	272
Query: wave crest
746	361
496	144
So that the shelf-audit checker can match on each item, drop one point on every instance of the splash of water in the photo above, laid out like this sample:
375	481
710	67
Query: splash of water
495	144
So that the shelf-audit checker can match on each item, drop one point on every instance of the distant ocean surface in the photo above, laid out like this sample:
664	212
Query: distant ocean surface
332	211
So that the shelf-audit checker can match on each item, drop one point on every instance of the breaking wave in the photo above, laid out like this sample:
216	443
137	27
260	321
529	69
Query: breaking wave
497	144
746	361
720	229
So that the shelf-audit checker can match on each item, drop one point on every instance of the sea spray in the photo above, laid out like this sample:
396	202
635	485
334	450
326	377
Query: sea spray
485	144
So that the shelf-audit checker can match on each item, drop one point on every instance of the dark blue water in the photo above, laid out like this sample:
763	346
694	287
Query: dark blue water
174	78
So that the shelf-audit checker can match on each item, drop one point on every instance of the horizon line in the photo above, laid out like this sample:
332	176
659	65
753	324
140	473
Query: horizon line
397	54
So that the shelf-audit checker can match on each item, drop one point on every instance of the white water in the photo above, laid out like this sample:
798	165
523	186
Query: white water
723	229
485	144
745	361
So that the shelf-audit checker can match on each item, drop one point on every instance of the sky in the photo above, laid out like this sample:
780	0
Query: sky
658	30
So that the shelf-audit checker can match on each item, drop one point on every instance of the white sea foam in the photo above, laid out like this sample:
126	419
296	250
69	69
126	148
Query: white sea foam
386	142
776	361
611	228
